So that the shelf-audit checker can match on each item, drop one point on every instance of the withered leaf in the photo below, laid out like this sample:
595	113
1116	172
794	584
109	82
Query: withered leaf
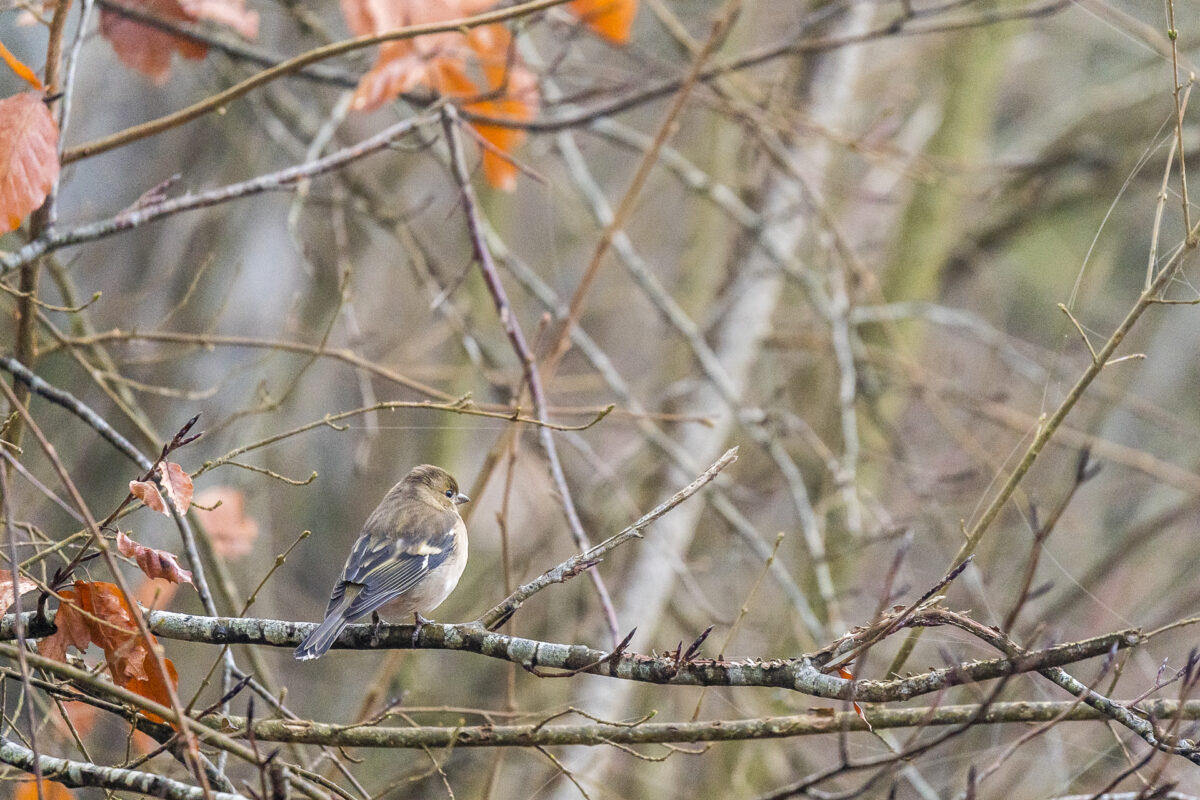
177	484
154	563
148	493
28	157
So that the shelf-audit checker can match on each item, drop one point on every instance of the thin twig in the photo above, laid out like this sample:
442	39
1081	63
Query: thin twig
1051	425
649	160
10	538
512	328
68	401
281	180
222	99
1173	35
193	749
585	560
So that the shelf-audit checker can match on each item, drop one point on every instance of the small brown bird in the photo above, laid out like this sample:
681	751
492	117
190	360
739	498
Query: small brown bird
408	557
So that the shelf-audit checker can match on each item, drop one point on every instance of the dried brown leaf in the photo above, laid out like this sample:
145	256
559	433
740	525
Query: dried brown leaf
230	13
466	66
72	630
154	563
148	493
96	613
148	50
7	596
82	716
177	484
111	626
155	593
145	49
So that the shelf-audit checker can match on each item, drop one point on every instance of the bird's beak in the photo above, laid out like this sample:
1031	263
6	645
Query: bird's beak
461	498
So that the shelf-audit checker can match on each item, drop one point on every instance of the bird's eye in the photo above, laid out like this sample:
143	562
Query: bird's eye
449	493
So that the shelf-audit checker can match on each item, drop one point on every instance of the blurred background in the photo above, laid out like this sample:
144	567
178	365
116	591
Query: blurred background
846	260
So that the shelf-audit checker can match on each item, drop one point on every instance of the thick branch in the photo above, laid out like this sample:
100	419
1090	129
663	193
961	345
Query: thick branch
596	733
801	674
68	401
817	723
76	774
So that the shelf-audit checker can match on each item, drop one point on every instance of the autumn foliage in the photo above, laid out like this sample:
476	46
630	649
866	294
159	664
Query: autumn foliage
95	613
478	68
7	595
231	531
154	563
148	50
173	482
28	156
611	19
51	790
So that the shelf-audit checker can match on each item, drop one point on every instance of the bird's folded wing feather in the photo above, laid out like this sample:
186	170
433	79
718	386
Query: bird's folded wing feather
381	568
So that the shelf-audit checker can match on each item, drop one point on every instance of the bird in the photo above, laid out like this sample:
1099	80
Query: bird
408	557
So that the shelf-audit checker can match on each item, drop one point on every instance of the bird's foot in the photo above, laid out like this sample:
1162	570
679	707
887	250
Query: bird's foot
376	628
419	622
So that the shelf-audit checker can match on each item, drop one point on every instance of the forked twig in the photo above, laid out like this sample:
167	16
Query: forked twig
516	338
589	558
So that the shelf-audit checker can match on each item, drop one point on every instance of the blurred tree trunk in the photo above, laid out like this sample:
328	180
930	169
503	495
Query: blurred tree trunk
933	223
827	88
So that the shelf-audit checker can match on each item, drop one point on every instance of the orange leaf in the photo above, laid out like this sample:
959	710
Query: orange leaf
405	65
230	13
148	50
519	103
96	613
51	790
177	484
154	563
449	63
81	715
360	16
23	72
611	19
499	170
449	76
396	70
28	157
143	744
377	16
848	675
231	531
7	596
72	629
153	688
110	625
155	593
148	493
77	714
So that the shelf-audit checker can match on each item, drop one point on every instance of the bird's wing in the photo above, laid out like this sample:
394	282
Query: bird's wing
381	568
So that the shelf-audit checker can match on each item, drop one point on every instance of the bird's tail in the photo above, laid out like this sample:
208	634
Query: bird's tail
317	643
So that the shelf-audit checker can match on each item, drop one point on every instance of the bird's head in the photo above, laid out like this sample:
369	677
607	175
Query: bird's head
441	482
